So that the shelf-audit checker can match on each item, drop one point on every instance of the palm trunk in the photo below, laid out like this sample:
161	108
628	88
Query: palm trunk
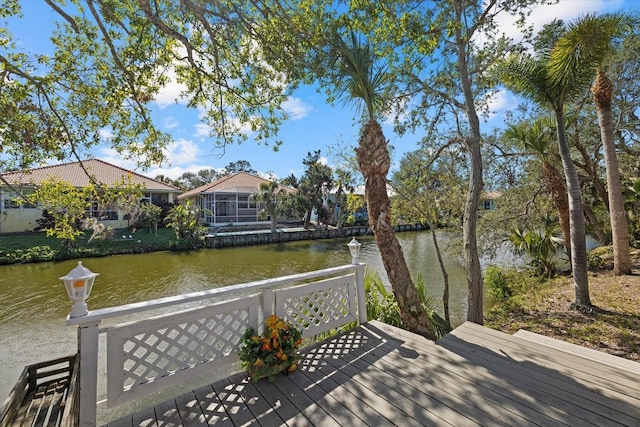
576	218
374	161
602	91
555	184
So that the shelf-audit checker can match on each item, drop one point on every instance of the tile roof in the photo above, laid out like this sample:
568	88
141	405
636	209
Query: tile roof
491	195
239	182
74	174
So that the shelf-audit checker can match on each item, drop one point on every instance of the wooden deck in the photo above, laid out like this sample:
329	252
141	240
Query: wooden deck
44	395
377	375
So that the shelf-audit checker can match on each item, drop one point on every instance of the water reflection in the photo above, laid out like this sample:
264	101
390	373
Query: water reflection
35	305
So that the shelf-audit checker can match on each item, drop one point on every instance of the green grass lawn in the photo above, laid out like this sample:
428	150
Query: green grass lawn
36	247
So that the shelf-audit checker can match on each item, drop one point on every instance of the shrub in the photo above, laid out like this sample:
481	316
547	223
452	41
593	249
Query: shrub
273	352
382	304
497	284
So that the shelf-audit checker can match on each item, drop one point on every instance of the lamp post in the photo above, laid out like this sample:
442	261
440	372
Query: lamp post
78	283
354	248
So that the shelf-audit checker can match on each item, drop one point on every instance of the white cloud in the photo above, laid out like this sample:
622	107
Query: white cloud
398	111
112	156
497	102
233	125
202	130
170	122
175	171
178	154
295	108
170	92
567	10
181	152
106	134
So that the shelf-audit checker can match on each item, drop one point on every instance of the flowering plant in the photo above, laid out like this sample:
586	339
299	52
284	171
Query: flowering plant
273	352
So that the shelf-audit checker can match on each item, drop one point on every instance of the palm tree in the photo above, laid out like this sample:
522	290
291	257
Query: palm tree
359	81
537	137
588	43
344	183
539	245
548	84
267	194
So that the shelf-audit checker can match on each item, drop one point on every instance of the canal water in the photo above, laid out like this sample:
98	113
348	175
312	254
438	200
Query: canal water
34	304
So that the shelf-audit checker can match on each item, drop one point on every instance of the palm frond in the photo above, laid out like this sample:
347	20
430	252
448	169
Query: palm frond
358	77
577	55
527	77
536	137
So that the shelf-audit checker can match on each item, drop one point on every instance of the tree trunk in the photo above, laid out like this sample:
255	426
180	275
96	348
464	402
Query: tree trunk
445	275
307	219
602	91
576	218
555	184
596	226
274	220
374	161
475	312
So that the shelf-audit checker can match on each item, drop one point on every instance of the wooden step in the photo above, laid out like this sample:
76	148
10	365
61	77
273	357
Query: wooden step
587	353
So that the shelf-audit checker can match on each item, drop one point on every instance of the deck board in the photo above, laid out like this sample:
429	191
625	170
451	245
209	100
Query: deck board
380	375
579	382
588	353
565	398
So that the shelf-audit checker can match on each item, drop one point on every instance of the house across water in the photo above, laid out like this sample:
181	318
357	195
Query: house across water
16	217
230	200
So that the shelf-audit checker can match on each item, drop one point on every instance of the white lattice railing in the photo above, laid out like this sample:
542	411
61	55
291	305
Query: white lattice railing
156	351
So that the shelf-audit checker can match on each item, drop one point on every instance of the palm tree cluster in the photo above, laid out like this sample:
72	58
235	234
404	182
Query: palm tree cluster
563	66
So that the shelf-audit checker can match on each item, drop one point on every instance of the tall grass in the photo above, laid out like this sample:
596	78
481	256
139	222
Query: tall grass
382	304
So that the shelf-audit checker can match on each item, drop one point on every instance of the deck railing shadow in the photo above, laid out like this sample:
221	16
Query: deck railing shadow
564	386
186	343
309	392
376	374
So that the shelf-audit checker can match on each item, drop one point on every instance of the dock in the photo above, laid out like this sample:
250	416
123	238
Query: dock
354	372
378	375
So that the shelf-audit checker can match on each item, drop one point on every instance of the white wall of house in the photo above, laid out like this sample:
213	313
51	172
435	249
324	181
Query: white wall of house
20	219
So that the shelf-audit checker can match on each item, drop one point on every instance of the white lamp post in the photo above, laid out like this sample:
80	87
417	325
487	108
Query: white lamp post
78	283
354	247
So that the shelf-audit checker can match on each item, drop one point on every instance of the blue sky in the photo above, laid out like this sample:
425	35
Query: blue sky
313	124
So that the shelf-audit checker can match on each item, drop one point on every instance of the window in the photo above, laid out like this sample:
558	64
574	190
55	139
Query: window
13	200
105	214
158	198
245	202
487	205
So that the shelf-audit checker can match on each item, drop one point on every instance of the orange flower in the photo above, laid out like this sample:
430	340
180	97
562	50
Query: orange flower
259	363
280	355
293	367
272	321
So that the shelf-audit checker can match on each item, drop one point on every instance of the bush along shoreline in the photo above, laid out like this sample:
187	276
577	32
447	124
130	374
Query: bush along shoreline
36	247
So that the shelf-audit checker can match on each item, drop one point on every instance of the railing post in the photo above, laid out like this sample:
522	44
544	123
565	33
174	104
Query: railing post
88	354
267	305
362	300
